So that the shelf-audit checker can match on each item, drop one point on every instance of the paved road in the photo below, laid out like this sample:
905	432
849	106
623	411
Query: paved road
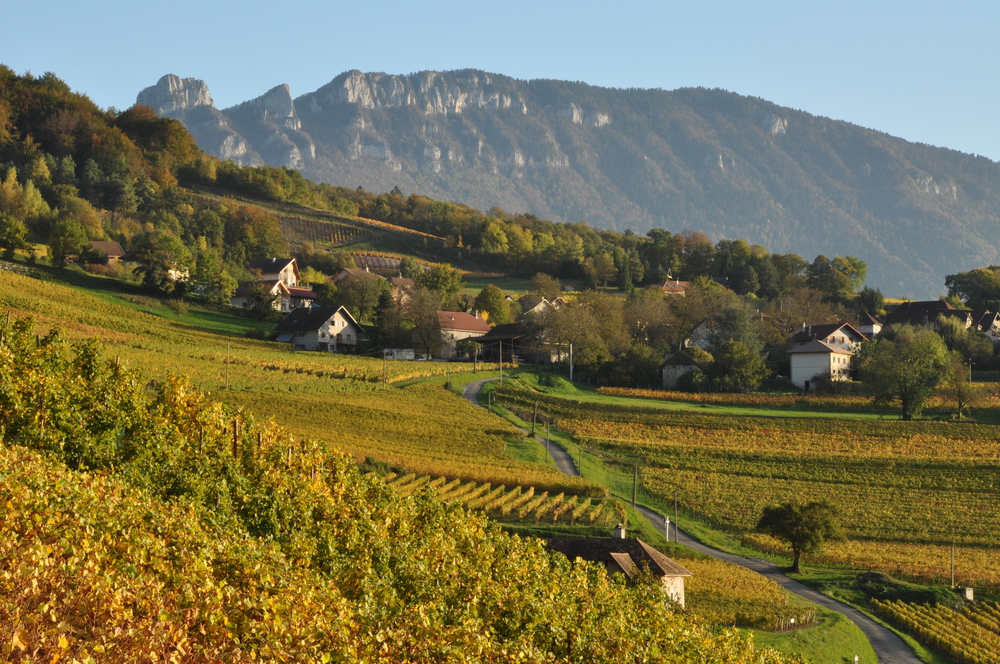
564	462
889	647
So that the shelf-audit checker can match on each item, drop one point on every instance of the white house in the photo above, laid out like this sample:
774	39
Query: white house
285	270
841	335
324	329
818	357
457	326
248	290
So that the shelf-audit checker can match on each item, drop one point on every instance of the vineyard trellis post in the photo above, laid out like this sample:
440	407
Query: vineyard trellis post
227	365
635	481
548	455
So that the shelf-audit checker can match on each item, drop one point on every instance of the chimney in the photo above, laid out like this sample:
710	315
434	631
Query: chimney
809	330
619	531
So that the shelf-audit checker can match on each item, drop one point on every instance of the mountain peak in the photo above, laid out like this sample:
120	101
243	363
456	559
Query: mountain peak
173	94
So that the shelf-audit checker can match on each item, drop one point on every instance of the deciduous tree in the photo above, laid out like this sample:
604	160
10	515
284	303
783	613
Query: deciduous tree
804	527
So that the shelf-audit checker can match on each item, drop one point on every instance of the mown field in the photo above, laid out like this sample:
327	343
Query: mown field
905	490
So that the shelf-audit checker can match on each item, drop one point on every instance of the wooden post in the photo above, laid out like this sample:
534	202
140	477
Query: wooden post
118	361
260	440
501	362
547	441
236	436
227	365
953	563
534	416
571	363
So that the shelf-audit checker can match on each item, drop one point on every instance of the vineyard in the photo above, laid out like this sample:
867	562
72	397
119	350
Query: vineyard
146	524
969	635
905	491
343	399
719	593
990	399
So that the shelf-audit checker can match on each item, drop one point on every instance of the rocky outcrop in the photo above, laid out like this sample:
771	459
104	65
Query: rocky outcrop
188	100
173	95
272	125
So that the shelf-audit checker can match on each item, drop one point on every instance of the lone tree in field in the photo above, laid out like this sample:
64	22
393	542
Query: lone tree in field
905	363
805	528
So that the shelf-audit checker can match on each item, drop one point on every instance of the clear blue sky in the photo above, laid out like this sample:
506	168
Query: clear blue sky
924	71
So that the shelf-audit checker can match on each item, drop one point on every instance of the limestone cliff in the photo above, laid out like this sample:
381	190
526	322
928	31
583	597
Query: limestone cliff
707	160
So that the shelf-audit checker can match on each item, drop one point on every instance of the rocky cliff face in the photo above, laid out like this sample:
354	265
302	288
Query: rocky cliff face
706	160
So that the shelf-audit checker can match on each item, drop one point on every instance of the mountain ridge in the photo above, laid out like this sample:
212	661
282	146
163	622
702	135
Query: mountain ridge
724	164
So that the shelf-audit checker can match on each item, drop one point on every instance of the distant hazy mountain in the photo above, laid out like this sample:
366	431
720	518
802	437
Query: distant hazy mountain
705	160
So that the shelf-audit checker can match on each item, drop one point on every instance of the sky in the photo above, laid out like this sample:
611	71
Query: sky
923	71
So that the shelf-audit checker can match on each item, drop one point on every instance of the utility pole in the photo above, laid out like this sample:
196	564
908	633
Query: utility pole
534	417
676	535
571	363
635	482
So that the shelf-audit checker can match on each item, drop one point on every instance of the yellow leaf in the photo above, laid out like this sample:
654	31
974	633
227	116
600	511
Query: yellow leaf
17	643
63	642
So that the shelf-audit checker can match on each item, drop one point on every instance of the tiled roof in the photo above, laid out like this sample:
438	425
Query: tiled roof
681	359
504	332
459	320
112	249
249	287
303	292
403	282
600	549
676	286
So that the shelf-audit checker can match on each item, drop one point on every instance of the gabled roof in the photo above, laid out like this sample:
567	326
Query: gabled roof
272	265
680	359
403	283
820	347
985	319
601	549
312	319
676	286
811	332
111	249
868	318
273	286
461	321
926	316
505	332
355	273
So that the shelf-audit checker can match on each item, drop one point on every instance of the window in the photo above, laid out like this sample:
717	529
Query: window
300	333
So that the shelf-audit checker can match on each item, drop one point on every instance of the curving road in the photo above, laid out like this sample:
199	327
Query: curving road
889	647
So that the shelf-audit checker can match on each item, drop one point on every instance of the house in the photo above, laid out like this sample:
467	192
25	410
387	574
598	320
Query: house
841	335
870	325
323	329
301	297
676	287
925	314
285	270
621	555
354	273
987	322
112	250
248	290
458	326
402	289
677	365
815	358
537	305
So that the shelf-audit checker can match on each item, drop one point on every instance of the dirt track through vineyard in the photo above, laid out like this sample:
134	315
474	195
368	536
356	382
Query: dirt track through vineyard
889	647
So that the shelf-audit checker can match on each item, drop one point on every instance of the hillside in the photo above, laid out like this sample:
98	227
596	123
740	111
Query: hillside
707	160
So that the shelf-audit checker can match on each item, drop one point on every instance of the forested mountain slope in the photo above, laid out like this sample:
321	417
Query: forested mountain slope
707	160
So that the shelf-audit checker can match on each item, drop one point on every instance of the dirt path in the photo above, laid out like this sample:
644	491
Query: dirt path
889	647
